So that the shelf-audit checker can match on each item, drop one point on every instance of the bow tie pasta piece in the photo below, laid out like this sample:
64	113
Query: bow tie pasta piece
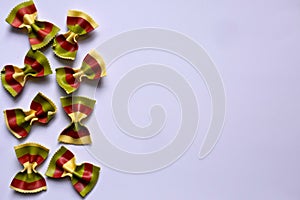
19	122
30	155
14	78
92	67
79	23
77	108
83	177
40	33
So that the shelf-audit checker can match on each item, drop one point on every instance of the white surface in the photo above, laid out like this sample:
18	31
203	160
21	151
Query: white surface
255	46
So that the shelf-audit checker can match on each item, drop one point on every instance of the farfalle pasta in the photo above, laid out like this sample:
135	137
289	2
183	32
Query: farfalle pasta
77	108
14	78
30	155
79	23
40	33
19	121
92	67
83	176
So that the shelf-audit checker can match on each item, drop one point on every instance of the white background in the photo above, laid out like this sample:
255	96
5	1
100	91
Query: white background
255	46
